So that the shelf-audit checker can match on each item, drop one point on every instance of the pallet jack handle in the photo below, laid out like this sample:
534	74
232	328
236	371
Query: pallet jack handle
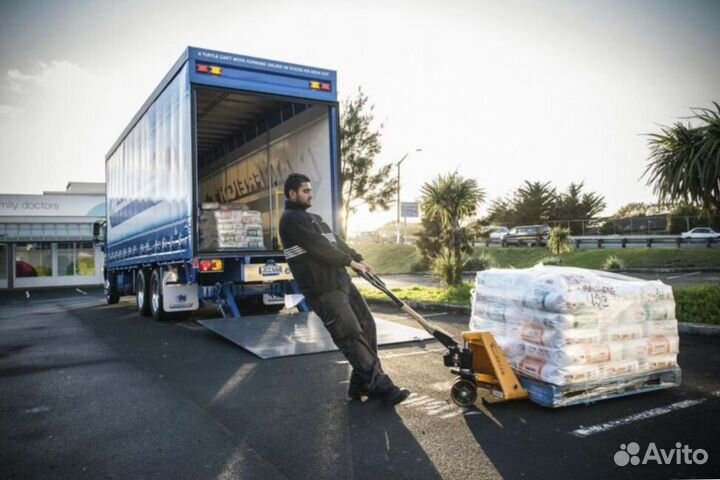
440	335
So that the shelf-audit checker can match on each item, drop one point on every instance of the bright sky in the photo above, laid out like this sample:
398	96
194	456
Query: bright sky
501	91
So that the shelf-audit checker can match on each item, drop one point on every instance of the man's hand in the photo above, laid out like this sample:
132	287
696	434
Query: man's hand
369	268
360	267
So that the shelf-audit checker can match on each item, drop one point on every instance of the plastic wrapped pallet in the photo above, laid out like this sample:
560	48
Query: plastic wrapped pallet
568	326
230	226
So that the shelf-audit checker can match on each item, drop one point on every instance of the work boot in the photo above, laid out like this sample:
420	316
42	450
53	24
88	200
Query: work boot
358	387
395	395
388	392
356	391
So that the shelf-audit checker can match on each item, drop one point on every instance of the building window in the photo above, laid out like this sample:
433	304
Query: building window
33	260
3	262
66	258
76	258
86	258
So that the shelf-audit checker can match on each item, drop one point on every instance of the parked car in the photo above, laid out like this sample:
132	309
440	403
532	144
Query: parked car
700	232
530	235
498	234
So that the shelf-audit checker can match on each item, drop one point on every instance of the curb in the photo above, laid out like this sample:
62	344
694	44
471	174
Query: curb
687	328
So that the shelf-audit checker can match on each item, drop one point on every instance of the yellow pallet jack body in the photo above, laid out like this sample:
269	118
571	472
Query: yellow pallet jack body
489	368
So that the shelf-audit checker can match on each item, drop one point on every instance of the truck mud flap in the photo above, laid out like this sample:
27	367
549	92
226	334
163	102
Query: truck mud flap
288	334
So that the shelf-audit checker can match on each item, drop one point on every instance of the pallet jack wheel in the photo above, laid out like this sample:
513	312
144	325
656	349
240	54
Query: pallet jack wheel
463	393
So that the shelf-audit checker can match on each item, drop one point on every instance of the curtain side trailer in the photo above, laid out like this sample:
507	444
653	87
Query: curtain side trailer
194	183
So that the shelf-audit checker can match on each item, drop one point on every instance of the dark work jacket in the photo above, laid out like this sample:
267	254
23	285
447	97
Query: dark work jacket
317	258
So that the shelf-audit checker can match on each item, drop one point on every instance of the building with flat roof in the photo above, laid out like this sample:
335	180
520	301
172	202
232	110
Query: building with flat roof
46	240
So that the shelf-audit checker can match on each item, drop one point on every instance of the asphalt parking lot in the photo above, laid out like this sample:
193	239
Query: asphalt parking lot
89	390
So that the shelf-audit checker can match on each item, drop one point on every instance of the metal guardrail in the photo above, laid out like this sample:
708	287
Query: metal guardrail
648	240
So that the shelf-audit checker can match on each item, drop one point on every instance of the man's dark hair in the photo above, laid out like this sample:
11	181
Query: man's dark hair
293	182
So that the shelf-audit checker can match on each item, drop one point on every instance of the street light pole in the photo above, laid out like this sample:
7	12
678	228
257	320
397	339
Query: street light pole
397	238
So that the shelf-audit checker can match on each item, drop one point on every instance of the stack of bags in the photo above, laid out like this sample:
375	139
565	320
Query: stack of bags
230	226
565	325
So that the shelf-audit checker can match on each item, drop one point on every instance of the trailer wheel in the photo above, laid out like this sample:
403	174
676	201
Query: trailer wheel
111	294
142	293
156	298
463	393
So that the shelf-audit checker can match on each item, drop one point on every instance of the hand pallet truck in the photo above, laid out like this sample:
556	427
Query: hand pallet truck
480	362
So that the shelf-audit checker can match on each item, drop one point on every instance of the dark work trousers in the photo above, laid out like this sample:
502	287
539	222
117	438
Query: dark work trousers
352	328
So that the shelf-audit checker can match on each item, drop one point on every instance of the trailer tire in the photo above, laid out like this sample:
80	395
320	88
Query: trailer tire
112	296
156	298
142	293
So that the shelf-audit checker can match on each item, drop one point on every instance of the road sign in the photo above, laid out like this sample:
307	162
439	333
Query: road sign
409	209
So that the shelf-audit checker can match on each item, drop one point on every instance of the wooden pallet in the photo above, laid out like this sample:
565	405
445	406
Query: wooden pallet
555	396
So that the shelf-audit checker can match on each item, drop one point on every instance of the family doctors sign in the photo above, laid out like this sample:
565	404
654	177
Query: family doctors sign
52	206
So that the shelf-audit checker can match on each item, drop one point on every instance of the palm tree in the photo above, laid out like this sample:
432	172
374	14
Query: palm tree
684	163
452	199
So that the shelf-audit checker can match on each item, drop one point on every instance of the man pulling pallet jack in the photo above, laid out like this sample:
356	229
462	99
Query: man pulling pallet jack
317	259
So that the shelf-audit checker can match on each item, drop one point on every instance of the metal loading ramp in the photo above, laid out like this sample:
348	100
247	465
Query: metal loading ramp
288	334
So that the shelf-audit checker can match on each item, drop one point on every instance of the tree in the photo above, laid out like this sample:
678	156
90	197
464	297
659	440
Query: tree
684	162
502	212
634	209
683	217
432	237
359	145
534	203
537	202
452	198
576	205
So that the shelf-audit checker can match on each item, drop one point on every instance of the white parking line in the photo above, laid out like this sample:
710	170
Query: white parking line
418	402
655	412
431	406
451	414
